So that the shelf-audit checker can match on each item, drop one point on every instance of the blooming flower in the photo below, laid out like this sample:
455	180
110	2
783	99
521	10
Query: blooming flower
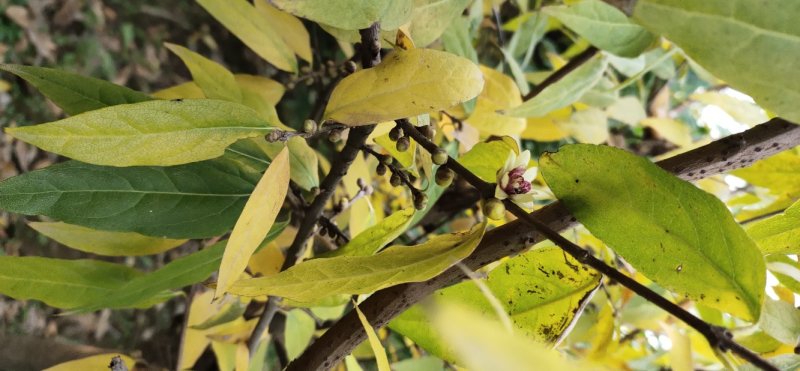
514	180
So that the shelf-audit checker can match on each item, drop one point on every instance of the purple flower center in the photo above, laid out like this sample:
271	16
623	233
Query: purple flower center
517	184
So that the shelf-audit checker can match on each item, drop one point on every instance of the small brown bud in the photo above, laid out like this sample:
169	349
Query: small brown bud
309	126
395	180
386	159
350	67
420	200
427	131
494	209
444	176
314	191
402	144
395	133
380	170
290	85
273	136
323	231
440	156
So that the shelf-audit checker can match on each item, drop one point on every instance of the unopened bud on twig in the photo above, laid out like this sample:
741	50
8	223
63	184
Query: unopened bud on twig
402	144
494	209
440	156
444	176
420	200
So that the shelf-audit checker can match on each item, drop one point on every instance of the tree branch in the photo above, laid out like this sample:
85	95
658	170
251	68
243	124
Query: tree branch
370	56
573	63
727	154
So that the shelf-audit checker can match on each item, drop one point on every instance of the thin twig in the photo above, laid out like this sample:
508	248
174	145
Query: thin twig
727	154
573	63
370	57
283	135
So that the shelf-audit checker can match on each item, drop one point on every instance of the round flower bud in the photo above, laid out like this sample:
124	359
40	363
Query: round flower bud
420	200
309	126
444	176
494	209
395	180
403	143
440	156
427	131
395	133
335	136
380	170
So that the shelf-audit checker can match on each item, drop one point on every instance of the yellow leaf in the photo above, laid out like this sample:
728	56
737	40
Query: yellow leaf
255	221
215	81
96	362
588	126
547	128
361	214
403	41
374	342
680	355
267	261
499	92
242	19
242	357
225	354
270	90
108	243
195	341
187	90
672	130
292	31
407	83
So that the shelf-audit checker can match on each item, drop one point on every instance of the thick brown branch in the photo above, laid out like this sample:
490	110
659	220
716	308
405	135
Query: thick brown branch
723	155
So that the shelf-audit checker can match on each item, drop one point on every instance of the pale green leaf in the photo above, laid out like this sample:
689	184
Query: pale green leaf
291	29
106	243
62	283
456	40
407	83
186	90
677	235
350	14
243	20
214	79
742	111
752	45
543	291
431	17
485	159
784	362
779	234
95	362
605	26
321	278
159	133
424	363
484	345
374	238
374	342
781	320
588	126
300	328
254	223
563	92
75	93
195	200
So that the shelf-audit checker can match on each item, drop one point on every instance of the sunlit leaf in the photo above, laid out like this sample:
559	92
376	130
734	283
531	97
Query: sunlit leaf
322	278
75	93
564	92
779	234
499	92
244	21
374	342
350	14
95	362
745	112
255	222
542	291
672	130
674	233
300	328
587	126
732	39
214	79
431	17
104	242
605	26
781	320
486	159
193	341
187	90
195	200
779	173
292	31
159	133
407	83
371	240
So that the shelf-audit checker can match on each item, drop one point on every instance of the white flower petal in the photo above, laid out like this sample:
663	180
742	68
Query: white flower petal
500	194
510	163
530	174
504	180
524	159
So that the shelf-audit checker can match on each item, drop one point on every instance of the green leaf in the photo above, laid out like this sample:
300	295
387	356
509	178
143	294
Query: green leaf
229	312
456	40
542	291
379	235
485	159
779	173
605	26
752	45
179	273
677	235
322	278
431	17
784	362
786	270
61	283
779	234
300	328
781	320
196	200
350	14
159	133
214	79
106	243
241	18
564	92
75	93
